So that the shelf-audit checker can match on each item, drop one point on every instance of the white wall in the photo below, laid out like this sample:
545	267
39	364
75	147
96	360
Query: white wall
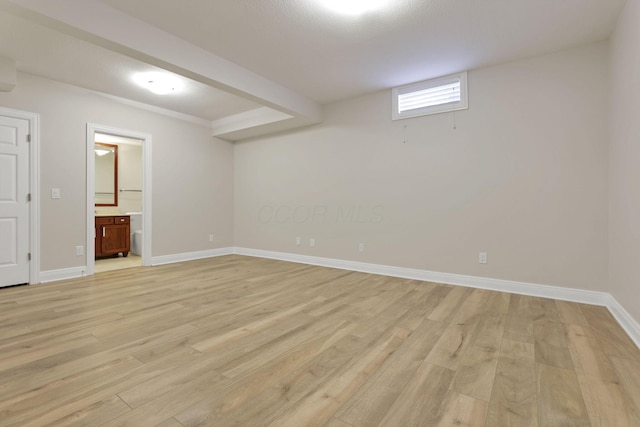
523	177
192	172
624	189
130	177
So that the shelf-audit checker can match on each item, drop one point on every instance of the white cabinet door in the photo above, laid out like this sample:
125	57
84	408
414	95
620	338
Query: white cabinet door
14	205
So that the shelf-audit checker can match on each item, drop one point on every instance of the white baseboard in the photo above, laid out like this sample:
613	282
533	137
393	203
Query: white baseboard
75	272
627	322
544	291
62	274
190	256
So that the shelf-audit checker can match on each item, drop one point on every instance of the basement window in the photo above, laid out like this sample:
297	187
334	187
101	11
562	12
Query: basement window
433	96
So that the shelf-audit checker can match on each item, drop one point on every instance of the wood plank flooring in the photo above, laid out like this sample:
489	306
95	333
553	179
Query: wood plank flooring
240	341
117	263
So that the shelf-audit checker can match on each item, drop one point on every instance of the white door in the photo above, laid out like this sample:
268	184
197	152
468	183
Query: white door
14	203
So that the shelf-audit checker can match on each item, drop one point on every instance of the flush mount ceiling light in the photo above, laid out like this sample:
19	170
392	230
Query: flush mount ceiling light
354	7
159	83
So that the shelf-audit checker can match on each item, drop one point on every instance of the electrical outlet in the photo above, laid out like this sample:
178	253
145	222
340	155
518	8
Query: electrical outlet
79	250
298	241
360	247
482	257
211	237
312	243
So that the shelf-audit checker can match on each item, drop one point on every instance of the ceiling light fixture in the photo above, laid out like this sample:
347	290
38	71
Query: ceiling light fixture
158	83
354	7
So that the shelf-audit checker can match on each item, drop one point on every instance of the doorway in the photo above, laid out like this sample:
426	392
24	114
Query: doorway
19	196
131	196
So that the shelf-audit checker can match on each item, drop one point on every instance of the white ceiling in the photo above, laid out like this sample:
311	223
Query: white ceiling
49	53
328	57
288	55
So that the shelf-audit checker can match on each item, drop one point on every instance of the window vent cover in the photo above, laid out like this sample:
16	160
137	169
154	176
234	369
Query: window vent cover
430	97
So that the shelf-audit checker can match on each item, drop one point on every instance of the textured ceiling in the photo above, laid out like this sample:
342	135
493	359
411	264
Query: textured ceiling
45	52
327	57
289	44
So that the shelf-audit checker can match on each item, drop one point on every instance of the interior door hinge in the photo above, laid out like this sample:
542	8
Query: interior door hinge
29	197
29	138
29	256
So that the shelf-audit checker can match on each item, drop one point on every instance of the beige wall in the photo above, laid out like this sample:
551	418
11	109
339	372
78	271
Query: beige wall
624	189
523	178
192	172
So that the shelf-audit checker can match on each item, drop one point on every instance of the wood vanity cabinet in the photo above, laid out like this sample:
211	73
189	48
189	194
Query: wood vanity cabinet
112	235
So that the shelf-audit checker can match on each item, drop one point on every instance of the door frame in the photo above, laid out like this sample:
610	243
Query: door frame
34	188
92	129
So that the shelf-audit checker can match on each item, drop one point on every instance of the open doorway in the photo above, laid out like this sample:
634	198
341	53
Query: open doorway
118	198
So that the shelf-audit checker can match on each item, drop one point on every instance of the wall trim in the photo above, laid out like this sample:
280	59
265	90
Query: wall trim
626	321
190	256
522	288
62	274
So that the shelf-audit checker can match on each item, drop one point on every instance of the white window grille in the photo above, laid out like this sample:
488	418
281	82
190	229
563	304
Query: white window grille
433	96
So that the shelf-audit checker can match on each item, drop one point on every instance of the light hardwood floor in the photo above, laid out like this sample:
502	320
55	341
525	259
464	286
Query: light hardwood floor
239	341
117	263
